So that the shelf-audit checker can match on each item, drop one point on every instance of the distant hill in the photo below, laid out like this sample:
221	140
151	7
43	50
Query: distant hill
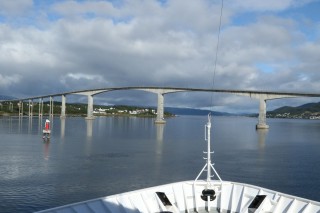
189	111
308	111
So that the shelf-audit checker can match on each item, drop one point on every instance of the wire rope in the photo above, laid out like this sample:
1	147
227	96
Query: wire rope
216	56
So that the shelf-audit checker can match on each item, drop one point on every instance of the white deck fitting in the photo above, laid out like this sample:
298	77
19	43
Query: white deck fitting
235	197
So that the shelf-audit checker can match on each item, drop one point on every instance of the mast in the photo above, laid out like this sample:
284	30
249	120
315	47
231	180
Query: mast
208	166
208	133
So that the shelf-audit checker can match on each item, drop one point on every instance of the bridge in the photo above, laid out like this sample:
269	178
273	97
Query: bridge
262	96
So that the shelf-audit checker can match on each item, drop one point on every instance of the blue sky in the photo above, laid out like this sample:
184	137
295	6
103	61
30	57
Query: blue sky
55	46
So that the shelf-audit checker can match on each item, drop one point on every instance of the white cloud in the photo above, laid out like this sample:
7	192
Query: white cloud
29	46
14	8
271	5
78	76
9	80
94	44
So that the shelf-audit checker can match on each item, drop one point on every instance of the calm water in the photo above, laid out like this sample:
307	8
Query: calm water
90	159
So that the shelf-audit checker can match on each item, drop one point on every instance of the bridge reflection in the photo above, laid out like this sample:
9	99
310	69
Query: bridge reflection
89	128
262	134
62	127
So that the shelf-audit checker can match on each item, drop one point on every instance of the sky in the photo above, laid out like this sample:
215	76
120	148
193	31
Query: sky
56	46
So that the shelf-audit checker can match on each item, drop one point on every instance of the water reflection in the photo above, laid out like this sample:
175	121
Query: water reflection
20	124
159	133
10	123
62	127
89	127
46	144
30	125
262	134
40	125
150	155
50	118
158	149
160	129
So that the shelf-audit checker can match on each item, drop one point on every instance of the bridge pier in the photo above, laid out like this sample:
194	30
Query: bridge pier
90	108
51	107
90	95
40	107
30	108
63	107
20	105
10	107
160	109
262	124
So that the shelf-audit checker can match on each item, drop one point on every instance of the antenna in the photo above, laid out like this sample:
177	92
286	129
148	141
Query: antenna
208	194
208	164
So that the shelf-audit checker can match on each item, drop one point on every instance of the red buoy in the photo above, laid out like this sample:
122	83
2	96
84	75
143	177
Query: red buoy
47	125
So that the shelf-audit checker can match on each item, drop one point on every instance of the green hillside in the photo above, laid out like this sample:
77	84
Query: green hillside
79	109
306	111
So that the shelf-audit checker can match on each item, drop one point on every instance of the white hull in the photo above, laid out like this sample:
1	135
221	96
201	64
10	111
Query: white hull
186	197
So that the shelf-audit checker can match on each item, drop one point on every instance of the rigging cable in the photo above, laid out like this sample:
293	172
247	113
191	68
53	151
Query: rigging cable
216	57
